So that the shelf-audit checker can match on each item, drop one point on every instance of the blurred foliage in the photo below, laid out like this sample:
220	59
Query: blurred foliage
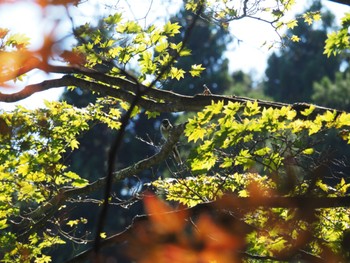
333	94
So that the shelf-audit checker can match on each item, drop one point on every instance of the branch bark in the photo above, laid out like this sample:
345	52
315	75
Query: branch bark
154	100
342	2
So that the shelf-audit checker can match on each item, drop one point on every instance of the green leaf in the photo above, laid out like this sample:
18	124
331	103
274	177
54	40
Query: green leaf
71	175
185	52
18	41
278	245
162	46
243	193
196	134
343	120
3	223
113	19
129	27
79	183
226	163
43	259
204	163
262	151
244	158
152	114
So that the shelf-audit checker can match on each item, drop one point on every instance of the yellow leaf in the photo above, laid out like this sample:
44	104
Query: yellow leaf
243	193
176	73
262	151
322	185
74	144
308	151
72	223
314	127
308	111
308	20
251	108
3	223
295	38
316	17
292	24
343	120
196	70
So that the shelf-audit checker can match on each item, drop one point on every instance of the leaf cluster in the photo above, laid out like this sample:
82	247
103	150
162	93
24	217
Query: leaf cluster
338	41
235	140
147	50
34	144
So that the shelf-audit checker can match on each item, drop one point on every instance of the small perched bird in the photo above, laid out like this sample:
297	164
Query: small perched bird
165	128
206	91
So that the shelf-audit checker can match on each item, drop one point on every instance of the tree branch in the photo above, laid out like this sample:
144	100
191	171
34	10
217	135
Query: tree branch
31	89
44	212
343	2
125	89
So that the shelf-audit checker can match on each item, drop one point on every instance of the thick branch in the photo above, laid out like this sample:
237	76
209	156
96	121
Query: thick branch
31	89
343	2
125	89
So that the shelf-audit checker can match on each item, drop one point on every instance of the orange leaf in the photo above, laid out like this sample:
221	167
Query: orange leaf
215	237
73	58
163	218
13	64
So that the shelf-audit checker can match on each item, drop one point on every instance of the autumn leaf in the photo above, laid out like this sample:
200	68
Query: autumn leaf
162	217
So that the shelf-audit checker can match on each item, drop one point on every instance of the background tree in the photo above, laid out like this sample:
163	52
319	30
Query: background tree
334	94
291	72
208	44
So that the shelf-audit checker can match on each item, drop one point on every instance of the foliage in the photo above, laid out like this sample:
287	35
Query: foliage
234	140
338	41
333	94
33	169
251	166
208	43
191	191
149	48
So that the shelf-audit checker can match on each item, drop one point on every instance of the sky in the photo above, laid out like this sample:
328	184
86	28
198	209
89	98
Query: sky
248	55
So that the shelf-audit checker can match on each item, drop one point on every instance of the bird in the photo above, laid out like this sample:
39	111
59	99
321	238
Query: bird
206	91
165	128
